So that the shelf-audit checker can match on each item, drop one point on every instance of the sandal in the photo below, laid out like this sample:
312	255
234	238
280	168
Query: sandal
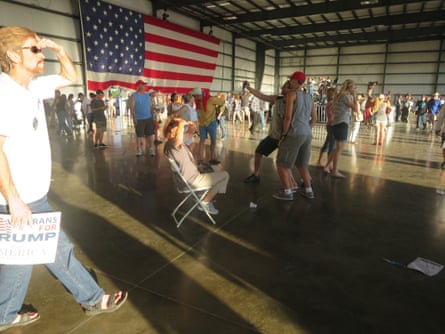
114	302
22	319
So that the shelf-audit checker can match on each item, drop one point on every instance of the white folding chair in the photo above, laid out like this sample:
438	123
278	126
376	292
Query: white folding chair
183	187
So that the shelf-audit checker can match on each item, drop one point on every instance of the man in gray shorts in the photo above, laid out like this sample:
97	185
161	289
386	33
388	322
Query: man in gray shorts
296	138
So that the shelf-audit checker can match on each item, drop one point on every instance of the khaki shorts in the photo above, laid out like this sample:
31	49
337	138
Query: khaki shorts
100	126
218	180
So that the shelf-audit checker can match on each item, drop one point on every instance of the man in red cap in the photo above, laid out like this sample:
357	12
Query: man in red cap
140	109
296	138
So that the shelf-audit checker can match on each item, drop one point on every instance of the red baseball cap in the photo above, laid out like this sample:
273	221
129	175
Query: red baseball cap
299	76
140	82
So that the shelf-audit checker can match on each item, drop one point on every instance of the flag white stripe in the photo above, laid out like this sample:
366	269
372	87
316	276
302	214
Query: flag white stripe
160	66
104	76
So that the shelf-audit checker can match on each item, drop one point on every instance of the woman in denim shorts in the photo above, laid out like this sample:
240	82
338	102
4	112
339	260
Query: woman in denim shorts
344	105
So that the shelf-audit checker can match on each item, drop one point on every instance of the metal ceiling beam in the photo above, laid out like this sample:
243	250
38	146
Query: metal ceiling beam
432	16
313	9
199	8
170	4
237	33
360	38
281	13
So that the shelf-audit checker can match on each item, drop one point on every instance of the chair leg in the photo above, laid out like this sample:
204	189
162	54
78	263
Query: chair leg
181	203
197	202
186	215
203	195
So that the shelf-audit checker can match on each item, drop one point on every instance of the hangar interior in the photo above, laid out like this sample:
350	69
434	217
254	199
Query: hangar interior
267	266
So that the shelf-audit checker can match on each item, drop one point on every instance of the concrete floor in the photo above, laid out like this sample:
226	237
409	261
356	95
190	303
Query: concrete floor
285	267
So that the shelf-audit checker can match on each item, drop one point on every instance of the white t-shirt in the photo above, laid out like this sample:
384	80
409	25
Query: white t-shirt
23	122
86	105
190	113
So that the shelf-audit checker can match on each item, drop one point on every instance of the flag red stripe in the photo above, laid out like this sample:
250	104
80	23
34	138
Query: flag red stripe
156	74
161	57
174	27
179	45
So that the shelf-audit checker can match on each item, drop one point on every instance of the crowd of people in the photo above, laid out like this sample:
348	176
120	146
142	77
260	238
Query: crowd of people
345	110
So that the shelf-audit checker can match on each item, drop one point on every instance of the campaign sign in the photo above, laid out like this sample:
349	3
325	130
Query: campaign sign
33	244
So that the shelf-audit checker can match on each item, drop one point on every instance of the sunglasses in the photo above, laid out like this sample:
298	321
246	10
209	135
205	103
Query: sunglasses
34	49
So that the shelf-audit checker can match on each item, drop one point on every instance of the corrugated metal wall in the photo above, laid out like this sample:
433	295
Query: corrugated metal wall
417	68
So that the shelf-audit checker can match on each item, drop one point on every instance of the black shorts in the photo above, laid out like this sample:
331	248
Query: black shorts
267	146
340	131
145	127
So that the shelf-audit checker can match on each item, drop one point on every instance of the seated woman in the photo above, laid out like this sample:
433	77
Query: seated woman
176	149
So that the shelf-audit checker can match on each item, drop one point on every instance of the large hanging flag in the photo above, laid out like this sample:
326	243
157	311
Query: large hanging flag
123	46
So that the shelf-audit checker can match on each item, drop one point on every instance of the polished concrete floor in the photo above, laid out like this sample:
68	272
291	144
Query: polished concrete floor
282	267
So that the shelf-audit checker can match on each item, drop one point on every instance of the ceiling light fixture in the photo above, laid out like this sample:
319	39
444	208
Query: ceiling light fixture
230	18
369	2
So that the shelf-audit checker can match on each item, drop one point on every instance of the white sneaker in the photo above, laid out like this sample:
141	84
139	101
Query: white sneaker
209	207
152	151
139	152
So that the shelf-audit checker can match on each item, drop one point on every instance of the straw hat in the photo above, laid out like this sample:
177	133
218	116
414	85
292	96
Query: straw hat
196	91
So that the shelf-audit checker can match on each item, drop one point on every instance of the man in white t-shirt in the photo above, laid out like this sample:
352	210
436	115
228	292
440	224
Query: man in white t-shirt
25	172
86	106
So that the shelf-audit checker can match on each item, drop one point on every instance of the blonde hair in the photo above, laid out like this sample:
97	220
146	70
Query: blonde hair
171	123
12	38
377	103
344	87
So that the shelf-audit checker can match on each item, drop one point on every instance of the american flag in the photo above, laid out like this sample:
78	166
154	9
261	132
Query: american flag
123	46
5	226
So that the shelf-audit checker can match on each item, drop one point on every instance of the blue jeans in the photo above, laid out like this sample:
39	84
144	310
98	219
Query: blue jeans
329	143
208	130
262	121
14	279
61	116
421	118
222	125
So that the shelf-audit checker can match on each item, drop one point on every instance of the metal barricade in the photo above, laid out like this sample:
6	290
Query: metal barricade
321	115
